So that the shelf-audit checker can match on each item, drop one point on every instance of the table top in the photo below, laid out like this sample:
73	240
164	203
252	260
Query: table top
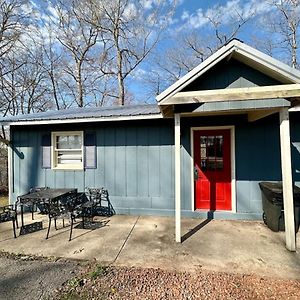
47	194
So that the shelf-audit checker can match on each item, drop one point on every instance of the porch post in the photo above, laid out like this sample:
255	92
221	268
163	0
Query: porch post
10	166
287	181
177	180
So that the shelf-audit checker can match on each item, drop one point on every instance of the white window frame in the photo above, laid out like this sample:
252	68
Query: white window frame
54	164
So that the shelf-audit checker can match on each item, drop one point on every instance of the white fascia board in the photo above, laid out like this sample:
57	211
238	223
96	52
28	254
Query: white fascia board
83	120
197	71
268	61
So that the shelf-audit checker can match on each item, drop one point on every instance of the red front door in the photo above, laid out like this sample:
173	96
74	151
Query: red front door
212	169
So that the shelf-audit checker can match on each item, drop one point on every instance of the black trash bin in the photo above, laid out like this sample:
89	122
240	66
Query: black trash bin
272	202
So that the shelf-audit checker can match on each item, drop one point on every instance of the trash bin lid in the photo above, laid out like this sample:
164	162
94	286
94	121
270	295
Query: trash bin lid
277	191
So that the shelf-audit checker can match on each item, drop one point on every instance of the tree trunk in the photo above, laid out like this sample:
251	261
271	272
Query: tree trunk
294	49
79	86
120	77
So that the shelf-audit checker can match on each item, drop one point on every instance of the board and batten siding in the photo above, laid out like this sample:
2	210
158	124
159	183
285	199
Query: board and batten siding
135	162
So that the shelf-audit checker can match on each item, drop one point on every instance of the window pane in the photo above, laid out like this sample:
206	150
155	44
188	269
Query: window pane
219	146
210	165
70	157
69	142
210	146
211	152
219	164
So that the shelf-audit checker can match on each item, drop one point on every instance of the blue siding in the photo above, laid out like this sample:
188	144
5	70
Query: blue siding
230	74
135	162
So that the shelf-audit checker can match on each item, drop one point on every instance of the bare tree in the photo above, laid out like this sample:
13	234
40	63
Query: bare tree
77	38
282	27
194	46
13	20
129	33
51	62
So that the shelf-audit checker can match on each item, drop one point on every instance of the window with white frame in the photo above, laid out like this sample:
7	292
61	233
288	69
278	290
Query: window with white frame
67	150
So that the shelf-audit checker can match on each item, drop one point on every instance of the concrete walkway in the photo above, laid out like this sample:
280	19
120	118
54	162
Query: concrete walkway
231	246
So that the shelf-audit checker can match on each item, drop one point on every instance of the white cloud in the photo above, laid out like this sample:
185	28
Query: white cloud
147	4
139	73
130	11
185	15
225	13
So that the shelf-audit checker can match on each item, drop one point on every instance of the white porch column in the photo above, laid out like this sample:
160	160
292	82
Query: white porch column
177	180
287	182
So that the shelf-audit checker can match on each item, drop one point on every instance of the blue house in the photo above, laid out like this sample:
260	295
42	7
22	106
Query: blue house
230	123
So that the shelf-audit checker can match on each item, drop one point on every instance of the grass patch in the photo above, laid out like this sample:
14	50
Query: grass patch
98	271
3	200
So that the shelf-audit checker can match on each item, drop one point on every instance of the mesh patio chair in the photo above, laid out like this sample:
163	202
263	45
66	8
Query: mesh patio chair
9	213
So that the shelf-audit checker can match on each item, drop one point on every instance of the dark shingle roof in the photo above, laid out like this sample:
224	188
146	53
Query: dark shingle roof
87	113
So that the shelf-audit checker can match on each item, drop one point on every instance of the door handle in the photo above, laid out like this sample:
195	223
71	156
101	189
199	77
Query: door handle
196	173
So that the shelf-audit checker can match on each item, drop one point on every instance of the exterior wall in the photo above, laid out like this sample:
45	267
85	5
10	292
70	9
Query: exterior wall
135	162
257	155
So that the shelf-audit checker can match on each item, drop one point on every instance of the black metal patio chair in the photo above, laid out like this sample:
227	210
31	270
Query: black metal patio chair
9	213
101	203
64	209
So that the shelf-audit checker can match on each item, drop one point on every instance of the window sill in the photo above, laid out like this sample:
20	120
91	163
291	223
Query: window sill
67	168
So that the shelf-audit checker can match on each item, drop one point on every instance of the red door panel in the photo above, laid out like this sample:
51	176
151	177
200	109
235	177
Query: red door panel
212	160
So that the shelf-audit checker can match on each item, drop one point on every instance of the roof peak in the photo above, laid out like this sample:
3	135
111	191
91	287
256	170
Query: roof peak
246	54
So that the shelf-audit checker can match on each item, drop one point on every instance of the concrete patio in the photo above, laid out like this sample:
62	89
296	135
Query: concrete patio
231	246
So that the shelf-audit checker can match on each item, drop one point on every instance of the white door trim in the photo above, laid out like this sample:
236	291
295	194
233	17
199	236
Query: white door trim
233	171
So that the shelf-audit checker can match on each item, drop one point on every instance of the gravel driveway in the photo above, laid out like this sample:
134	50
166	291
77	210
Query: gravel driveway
25	277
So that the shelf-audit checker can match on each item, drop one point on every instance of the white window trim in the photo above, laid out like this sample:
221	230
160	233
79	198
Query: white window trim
53	157
233	171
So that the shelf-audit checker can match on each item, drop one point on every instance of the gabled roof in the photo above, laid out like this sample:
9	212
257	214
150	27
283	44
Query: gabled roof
86	114
244	53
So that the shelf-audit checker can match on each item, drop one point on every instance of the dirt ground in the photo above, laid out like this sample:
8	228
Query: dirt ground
27	278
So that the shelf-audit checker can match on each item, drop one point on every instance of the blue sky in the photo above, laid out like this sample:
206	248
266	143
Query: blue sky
192	15
189	16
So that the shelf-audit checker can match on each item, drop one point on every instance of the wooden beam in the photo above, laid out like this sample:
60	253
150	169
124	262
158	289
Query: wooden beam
287	181
167	111
235	94
260	114
177	180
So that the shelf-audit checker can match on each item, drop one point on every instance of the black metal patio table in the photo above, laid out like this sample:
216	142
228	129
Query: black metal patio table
37	197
